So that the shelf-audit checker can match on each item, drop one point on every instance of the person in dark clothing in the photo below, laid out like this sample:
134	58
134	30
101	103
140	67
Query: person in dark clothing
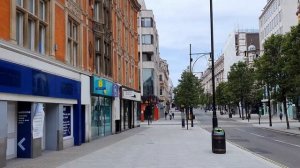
173	114
148	112
166	114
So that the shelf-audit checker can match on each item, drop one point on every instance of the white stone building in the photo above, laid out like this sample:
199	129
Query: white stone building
149	52
277	18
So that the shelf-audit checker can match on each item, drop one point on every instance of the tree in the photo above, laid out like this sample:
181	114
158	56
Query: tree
188	90
272	70
291	50
265	71
240	80
222	95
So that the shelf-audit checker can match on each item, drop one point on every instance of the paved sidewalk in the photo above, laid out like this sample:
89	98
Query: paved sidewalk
277	124
163	144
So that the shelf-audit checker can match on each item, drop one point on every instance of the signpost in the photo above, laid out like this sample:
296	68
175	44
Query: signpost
24	141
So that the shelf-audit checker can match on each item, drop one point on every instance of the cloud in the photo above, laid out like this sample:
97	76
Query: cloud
181	23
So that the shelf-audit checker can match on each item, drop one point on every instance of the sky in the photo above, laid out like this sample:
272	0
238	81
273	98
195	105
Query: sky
184	22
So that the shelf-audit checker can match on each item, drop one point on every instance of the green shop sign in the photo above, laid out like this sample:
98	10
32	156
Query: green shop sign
101	86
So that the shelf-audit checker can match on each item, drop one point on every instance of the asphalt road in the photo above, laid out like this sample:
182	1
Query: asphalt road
280	147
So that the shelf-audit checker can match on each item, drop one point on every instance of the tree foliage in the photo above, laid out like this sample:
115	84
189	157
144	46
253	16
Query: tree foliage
188	91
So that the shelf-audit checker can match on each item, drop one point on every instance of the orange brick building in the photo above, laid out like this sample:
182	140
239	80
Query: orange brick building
126	59
71	65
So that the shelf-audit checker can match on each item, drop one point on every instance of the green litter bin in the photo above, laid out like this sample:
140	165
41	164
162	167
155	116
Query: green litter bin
218	141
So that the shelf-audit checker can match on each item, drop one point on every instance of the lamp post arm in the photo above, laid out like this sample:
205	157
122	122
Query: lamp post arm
202	55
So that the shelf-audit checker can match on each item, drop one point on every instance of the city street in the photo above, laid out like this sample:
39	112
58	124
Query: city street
281	147
162	144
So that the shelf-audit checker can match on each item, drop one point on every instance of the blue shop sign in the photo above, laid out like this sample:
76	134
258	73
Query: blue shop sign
101	86
19	79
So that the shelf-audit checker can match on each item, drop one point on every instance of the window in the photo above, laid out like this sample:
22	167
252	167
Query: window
98	55
160	77
42	41
147	22
31	34
161	91
147	57
31	6
147	39
42	11
97	11
19	28
31	24
107	60
20	3
72	50
119	68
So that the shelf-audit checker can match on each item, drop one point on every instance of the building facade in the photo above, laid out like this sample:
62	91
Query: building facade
234	51
68	73
164	87
149	51
277	17
45	76
126	63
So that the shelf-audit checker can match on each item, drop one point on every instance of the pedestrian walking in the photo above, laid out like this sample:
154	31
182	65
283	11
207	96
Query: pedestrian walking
170	115
148	113
280	116
166	114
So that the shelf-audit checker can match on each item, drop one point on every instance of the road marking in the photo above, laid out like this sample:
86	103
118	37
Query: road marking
258	135
287	143
20	144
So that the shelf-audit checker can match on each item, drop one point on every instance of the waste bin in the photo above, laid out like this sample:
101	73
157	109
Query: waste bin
218	141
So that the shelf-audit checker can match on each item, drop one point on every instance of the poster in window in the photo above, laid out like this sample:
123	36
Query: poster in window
67	121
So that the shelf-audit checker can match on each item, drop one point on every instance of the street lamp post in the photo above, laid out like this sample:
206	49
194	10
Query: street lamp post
191	71
214	119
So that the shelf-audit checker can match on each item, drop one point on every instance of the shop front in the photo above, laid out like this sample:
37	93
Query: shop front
103	94
130	110
38	110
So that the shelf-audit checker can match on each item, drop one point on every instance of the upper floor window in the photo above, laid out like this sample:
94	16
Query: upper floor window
98	55
20	3
160	77
147	39
97	11
32	24
73	42
147	22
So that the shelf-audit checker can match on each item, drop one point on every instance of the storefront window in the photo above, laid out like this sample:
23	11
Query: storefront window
148	81
101	116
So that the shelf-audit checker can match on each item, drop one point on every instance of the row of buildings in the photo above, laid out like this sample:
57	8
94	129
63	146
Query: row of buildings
277	17
74	70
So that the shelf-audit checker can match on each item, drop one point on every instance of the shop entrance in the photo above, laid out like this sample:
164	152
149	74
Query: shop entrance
101	116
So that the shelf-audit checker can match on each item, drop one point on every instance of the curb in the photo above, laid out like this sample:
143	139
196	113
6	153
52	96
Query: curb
258	155
280	131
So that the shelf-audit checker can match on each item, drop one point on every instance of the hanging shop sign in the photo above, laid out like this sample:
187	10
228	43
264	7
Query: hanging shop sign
101	86
131	95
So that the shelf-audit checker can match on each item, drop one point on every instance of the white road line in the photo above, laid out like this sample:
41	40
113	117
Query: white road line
258	135
287	143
